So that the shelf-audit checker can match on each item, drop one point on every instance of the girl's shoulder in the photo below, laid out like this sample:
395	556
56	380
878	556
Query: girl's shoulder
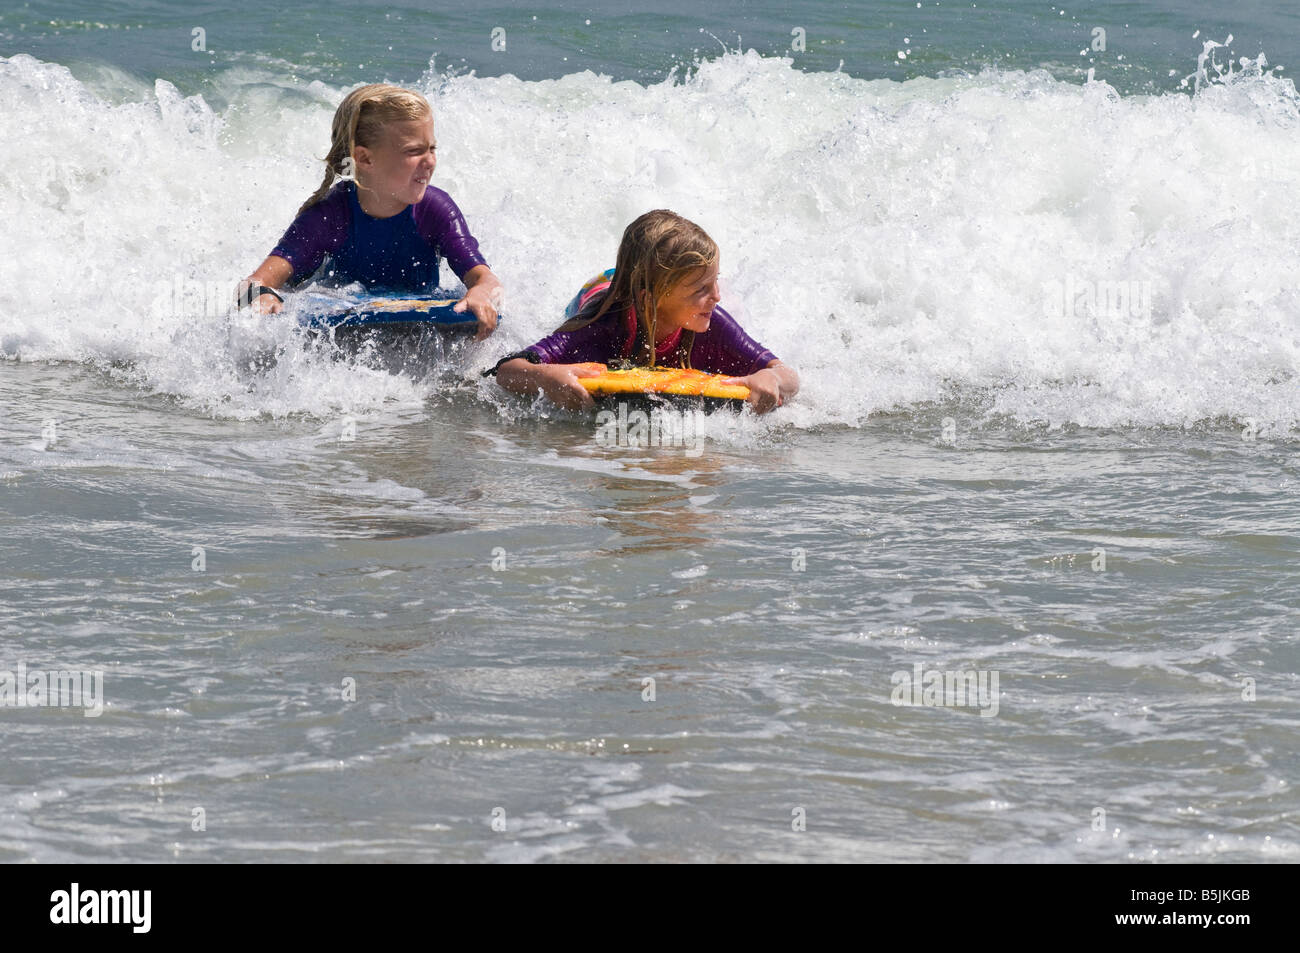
435	202
437	216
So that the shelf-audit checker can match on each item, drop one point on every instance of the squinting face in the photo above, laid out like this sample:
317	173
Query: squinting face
690	303
398	168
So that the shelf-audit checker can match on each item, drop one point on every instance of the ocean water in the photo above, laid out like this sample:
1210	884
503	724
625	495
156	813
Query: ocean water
1046	324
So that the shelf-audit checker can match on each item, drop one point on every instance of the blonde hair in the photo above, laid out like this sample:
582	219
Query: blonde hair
359	121
659	250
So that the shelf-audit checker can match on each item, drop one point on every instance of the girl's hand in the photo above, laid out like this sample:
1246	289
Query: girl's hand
482	299
764	389
274	272
268	304
479	303
560	384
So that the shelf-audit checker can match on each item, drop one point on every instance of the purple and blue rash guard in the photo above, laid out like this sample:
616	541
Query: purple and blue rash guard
398	253
723	349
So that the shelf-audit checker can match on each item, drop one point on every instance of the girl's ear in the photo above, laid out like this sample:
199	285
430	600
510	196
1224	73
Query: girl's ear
364	157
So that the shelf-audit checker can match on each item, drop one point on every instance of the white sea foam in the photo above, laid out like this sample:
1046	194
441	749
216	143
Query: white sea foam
899	243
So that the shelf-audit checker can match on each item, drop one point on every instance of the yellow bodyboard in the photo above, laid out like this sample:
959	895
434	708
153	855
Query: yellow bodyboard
661	380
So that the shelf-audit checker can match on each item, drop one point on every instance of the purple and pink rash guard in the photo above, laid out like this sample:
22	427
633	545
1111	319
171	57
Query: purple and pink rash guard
398	253
723	349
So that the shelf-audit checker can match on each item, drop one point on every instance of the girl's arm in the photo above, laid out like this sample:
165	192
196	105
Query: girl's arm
559	382
273	273
770	387
483	292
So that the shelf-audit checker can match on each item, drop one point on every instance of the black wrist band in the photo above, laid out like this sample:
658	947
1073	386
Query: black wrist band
528	356
253	292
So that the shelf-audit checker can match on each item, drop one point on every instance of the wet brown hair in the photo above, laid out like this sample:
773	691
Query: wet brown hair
659	250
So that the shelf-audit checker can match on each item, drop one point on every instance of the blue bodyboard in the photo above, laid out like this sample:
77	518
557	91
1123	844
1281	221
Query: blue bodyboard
324	313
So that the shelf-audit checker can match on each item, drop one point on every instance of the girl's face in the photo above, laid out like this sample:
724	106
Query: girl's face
397	170
689	304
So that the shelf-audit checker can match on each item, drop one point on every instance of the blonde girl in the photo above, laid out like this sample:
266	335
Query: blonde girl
375	218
